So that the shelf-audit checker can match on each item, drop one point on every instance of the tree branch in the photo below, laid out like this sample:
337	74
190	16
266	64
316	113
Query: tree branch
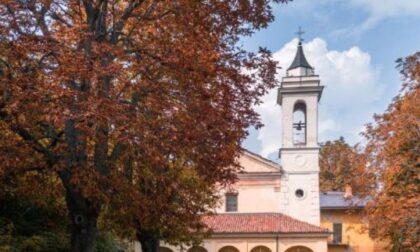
40	17
119	25
27	136
117	151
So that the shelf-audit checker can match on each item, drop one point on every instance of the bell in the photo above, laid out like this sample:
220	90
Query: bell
299	126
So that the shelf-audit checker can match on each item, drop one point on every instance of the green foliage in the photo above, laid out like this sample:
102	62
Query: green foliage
109	242
27	226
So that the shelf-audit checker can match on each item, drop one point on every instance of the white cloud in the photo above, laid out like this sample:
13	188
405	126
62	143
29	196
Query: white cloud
351	90
381	9
373	12
328	125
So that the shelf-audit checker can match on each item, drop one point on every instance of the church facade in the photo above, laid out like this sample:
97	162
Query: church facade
272	207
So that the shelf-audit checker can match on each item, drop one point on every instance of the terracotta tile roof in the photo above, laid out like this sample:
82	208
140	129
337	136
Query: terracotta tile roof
258	223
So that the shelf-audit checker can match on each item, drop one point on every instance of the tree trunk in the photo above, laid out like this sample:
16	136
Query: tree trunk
83	236
83	211
149	241
84	216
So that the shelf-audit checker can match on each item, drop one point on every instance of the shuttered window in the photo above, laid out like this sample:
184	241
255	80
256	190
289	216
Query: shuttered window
231	202
337	232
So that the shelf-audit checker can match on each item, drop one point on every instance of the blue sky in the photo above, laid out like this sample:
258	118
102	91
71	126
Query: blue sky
353	45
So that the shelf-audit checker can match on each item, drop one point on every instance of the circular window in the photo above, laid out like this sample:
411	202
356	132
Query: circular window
299	193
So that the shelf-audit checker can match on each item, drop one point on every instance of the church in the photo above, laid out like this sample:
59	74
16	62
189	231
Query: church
275	208
272	207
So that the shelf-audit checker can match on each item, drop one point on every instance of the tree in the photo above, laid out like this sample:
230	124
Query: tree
393	149
181	196
96	90
24	226
33	216
342	164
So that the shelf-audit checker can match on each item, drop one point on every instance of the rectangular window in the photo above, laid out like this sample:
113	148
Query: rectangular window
337	232
231	202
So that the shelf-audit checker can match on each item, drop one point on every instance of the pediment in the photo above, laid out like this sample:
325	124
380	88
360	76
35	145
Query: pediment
254	163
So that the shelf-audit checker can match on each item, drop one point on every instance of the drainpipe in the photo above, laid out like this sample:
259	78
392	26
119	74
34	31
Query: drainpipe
277	243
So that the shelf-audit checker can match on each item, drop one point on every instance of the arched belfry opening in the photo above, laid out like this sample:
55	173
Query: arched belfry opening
299	123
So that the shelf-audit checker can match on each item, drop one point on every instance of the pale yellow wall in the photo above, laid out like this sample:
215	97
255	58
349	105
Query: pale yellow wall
317	244
253	163
255	195
355	232
255	199
243	245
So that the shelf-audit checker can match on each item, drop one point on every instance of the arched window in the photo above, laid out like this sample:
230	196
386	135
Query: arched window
299	123
228	249
197	249
261	249
165	249
299	249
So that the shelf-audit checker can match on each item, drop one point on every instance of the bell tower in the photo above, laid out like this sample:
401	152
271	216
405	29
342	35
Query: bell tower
298	96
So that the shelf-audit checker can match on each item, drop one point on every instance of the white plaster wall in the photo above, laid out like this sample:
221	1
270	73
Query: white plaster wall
300	160
305	208
300	71
300	81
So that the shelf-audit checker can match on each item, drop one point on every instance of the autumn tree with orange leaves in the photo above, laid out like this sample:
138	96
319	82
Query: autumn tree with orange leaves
394	155
108	94
340	165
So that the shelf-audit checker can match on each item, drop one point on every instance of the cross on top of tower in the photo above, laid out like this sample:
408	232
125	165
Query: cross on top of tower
300	59
300	32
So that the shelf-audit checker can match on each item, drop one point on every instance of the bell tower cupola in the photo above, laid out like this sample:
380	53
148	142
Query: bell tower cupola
298	96
300	66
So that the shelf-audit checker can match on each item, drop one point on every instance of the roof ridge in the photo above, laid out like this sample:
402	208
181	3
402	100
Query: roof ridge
263	158
249	213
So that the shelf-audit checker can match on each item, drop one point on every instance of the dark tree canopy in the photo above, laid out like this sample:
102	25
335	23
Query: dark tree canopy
109	94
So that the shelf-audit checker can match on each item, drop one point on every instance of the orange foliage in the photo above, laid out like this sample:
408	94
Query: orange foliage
393	149
110	93
342	164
